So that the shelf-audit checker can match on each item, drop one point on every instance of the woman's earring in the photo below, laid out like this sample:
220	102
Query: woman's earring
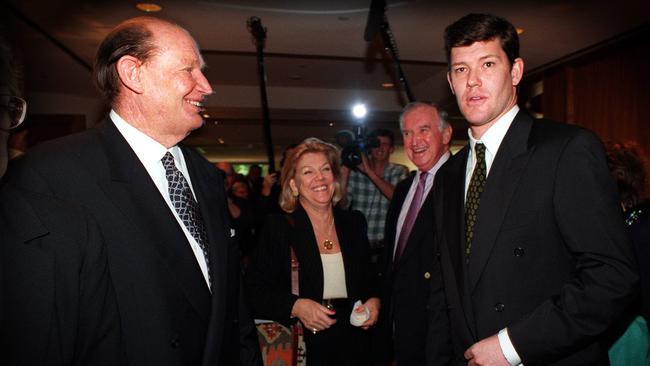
295	193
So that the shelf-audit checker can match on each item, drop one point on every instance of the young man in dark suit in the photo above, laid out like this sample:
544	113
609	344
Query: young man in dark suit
161	206
57	305
535	260
411	270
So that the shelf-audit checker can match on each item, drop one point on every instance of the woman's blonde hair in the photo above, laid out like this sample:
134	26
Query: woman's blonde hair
310	145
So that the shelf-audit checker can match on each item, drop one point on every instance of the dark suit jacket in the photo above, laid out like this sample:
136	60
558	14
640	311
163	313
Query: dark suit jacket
269	275
551	260
168	314
406	285
57	305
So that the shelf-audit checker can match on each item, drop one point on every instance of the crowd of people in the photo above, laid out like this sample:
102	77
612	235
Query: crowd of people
122	246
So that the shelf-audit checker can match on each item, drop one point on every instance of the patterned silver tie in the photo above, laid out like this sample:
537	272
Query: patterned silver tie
186	206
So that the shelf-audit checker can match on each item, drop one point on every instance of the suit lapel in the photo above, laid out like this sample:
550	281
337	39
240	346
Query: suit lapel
20	227
132	191
454	239
397	202
503	179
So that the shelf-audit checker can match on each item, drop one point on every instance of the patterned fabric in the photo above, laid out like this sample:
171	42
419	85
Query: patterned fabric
185	205
411	215
364	196
476	185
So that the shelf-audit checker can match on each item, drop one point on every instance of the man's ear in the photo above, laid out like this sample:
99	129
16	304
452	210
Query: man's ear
517	71
451	86
446	135
129	71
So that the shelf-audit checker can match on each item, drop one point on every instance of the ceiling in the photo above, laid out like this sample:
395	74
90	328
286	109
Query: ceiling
317	61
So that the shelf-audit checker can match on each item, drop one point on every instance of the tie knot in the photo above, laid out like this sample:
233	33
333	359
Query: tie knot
168	161
423	177
480	151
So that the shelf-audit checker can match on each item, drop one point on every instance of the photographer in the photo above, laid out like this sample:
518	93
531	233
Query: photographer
371	183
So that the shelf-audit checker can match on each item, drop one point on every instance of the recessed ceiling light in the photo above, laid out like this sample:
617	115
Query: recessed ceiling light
520	30
205	115
221	141
331	124
387	85
148	7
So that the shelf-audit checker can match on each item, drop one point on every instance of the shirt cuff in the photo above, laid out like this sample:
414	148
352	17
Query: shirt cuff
508	349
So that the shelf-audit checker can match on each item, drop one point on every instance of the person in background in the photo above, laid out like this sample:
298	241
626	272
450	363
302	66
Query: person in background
410	269
535	259
57	304
160	205
370	186
628	167
331	248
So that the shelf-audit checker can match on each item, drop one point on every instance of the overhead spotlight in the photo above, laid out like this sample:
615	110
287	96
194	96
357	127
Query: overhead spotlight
359	110
148	7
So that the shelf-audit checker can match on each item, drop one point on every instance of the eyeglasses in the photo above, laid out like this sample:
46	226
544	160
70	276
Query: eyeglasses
16	109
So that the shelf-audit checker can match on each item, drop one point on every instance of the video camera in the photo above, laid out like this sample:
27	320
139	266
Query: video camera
354	145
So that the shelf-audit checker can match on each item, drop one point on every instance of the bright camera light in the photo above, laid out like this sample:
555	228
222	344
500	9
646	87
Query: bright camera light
359	110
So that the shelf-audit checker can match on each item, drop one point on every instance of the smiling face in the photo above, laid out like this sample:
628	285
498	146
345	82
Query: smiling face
173	84
484	83
423	141
383	152
314	180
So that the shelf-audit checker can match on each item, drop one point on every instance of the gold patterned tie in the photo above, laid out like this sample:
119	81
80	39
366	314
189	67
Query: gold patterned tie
476	185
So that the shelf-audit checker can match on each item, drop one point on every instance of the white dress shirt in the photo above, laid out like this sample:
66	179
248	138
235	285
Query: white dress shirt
150	152
492	139
409	196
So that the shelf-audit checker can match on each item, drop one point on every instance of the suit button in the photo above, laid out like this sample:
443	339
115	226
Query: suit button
175	343
499	307
519	252
427	275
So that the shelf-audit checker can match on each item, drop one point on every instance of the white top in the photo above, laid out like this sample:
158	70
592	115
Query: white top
333	276
150	152
409	196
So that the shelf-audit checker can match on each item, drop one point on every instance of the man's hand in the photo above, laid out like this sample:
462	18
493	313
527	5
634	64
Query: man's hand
486	353
365	167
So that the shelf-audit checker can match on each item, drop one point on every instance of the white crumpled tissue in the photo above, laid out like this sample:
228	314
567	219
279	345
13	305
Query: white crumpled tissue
358	318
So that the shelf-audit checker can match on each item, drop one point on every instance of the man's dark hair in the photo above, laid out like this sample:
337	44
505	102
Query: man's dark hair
383	133
131	38
479	28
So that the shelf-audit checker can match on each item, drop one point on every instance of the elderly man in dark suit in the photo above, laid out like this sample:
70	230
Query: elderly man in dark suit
535	259
57	305
160	205
411	270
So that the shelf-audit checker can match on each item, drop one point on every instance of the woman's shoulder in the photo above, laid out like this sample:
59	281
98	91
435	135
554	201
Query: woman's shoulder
352	216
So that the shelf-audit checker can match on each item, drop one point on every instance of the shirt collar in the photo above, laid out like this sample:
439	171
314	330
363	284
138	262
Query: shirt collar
432	172
148	150
494	135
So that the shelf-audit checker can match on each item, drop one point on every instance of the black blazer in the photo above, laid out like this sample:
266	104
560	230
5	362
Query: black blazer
269	275
551	260
168	314
57	305
406	285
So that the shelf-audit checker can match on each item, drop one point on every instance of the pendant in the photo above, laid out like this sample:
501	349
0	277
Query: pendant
328	244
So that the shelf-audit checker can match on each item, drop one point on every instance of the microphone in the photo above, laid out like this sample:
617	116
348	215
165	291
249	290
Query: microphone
375	18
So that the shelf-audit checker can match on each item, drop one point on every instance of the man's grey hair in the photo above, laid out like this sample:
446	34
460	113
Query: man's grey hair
442	114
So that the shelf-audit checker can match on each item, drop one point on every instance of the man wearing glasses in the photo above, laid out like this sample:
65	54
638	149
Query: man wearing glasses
57	304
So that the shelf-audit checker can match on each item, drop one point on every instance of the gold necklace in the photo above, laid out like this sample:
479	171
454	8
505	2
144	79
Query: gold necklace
328	244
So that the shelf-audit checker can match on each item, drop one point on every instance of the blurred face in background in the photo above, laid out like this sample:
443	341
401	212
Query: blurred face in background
240	190
383	152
